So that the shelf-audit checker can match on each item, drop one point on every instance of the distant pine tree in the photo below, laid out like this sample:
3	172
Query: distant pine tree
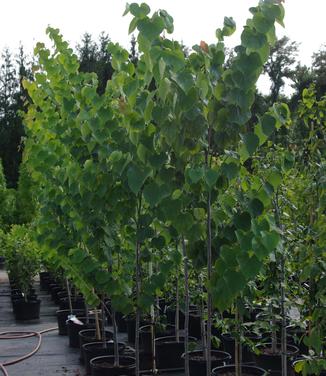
12	100
94	57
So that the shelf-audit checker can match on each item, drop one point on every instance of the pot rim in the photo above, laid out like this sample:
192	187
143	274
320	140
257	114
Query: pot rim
94	361
243	367
94	344
168	339
227	356
81	332
288	347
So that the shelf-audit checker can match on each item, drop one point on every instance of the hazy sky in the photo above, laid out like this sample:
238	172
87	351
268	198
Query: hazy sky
26	21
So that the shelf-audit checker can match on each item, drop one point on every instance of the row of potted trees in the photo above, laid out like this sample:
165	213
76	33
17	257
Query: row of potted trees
166	180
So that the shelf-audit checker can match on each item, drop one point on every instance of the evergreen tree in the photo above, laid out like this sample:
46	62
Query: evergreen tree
133	50
104	67
13	98
94	57
87	51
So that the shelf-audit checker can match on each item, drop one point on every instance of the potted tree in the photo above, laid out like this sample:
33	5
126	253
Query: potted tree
23	263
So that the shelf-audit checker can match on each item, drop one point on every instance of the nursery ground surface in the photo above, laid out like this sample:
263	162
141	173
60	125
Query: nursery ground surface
54	357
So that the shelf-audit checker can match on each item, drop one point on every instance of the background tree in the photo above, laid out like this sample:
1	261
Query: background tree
302	78
12	100
94	57
319	70
279	66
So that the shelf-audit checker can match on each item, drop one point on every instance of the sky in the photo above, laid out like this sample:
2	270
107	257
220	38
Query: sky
195	20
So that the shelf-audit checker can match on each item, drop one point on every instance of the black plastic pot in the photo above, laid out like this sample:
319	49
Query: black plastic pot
88	336
77	303
121	322
295	337
103	366
54	293
273	362
194	324
198	365
74	329
131	328
247	370
53	286
26	310
46	282
145	335
108	311
170	317
2	262
62	317
169	352
146	361
60	295
94	349
229	346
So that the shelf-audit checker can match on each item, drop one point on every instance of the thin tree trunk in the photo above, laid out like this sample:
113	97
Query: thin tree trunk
202	322
209	268
274	335
137	306
209	295
97	325
282	289
86	313
115	339
138	286
186	328
283	335
177	306
69	295
152	313
103	325
238	347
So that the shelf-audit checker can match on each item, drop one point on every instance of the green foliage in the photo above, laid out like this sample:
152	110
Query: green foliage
123	169
7	203
22	256
26	193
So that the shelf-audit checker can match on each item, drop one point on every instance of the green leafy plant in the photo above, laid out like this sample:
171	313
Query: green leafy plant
22	257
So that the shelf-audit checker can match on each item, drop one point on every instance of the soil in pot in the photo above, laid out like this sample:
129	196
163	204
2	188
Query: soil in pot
74	329
198	365
62	317
88	336
245	371
229	346
94	349
169	352
26	310
273	361
104	366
